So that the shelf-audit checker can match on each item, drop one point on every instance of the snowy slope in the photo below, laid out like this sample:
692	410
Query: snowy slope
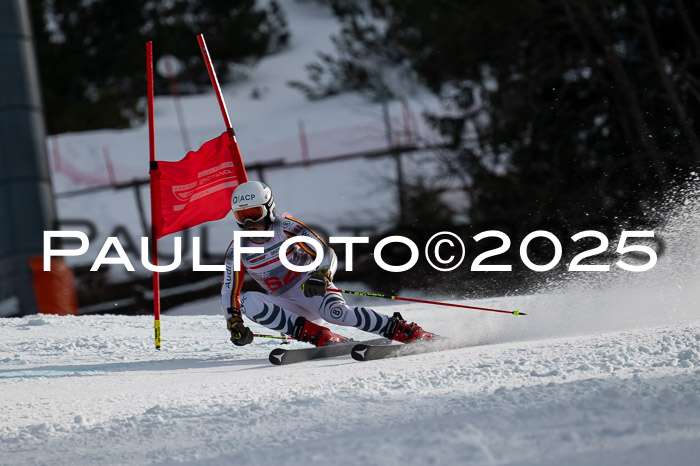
602	371
99	394
605	369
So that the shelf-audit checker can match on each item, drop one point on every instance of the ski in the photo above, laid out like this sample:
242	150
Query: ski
283	356
366	351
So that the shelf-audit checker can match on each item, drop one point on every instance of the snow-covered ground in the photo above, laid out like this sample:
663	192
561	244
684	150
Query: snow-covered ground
604	369
92	390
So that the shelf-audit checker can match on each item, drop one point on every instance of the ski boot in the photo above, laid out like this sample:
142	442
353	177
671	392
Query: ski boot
318	336
400	330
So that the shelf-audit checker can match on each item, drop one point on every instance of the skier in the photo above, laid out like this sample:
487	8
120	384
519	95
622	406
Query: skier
294	303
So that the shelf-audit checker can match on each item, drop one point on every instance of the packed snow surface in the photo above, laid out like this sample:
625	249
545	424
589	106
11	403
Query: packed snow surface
92	390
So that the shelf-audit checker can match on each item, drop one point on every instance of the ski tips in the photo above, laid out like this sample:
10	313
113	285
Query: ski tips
518	313
276	356
359	351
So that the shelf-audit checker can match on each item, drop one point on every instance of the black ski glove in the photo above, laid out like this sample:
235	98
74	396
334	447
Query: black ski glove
317	283
240	334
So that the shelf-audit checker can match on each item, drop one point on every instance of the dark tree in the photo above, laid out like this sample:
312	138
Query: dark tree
566	115
92	53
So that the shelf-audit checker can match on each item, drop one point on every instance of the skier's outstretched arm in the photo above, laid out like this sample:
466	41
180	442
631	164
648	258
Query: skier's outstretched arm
231	301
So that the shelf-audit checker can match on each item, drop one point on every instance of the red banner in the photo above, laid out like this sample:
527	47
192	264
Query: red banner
198	188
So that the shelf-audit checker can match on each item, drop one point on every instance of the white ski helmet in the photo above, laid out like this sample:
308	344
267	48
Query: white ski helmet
252	201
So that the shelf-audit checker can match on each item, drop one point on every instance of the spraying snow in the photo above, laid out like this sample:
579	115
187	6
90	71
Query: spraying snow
601	371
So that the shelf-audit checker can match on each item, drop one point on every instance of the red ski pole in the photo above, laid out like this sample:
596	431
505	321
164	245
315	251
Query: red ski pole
377	295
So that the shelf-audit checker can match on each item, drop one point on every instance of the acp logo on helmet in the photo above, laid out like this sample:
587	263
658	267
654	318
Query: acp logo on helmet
244	197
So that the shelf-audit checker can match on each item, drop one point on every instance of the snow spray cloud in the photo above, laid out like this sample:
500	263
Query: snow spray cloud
615	300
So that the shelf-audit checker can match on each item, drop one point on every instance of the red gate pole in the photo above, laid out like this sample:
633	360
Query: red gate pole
155	211
219	96
215	84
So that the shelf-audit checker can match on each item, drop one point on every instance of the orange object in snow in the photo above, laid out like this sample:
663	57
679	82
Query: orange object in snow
55	289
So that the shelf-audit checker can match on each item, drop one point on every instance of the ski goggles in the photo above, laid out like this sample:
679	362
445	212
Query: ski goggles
252	214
